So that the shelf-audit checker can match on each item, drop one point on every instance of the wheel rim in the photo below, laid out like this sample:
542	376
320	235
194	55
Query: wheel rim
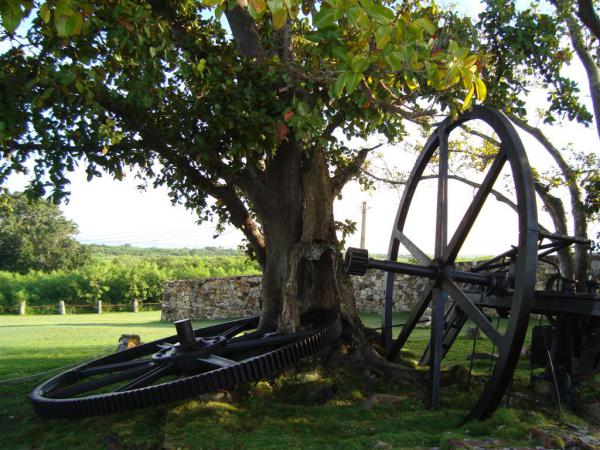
446	250
132	378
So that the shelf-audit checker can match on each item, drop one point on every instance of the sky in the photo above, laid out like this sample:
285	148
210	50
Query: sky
116	213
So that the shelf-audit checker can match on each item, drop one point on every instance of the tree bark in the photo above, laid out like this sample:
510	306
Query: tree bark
303	280
281	219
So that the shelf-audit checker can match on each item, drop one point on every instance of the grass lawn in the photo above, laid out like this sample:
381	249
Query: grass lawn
310	408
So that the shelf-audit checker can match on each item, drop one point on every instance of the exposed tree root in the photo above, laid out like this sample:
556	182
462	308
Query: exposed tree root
360	349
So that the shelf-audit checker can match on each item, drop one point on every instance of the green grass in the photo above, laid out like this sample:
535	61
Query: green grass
313	408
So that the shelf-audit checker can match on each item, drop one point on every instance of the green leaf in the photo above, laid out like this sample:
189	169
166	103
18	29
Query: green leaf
470	60
338	86
77	22
468	99
219	10
45	13
467	77
395	60
201	66
279	18
340	53
352	81
63	28
359	64
11	14
382	36
379	12
452	76
259	5
324	17
278	12
411	83
63	7
425	25
481	89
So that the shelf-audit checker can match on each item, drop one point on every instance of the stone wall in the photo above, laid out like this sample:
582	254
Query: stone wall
211	298
218	298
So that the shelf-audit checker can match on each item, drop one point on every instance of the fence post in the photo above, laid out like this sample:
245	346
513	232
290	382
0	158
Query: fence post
22	307
61	308
99	306
136	305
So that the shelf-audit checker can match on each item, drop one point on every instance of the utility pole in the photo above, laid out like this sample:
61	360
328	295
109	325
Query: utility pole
363	225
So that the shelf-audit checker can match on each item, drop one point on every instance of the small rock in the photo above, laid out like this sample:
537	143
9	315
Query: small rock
381	444
220	396
128	341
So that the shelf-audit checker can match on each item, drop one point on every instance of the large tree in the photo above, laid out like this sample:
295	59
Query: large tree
529	48
35	235
251	103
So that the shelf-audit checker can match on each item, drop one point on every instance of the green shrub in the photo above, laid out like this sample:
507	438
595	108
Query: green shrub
116	280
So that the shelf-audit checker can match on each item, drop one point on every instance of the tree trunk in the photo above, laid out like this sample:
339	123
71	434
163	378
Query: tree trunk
303	276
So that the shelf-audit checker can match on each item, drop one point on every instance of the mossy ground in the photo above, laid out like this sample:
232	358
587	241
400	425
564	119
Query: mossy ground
310	407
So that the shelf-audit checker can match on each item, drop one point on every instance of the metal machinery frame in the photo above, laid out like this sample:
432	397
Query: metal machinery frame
505	283
190	363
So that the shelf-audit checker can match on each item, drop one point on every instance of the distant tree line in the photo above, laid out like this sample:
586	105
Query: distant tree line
42	263
35	235
128	250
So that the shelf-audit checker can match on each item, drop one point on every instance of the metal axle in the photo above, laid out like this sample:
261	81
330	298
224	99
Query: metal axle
357	262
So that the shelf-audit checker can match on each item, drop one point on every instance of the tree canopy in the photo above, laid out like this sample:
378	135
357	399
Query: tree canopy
264	106
253	103
34	235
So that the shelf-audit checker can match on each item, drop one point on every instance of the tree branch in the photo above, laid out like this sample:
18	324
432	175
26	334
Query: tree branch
587	14
416	117
498	195
555	208
344	174
578	42
245	32
481	135
239	215
577	206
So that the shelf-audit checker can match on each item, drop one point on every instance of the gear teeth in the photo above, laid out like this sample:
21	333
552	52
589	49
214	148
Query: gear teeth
252	369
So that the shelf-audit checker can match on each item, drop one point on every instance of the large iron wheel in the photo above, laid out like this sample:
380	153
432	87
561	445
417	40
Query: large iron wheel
190	363
442	287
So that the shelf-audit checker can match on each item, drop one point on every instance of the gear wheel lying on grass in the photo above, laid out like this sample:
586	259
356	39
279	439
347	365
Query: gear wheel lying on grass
190	363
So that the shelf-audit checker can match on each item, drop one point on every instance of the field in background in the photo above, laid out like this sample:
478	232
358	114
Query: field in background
117	276
296	410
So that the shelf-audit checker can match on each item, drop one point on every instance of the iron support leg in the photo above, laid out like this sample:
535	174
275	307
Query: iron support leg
437	337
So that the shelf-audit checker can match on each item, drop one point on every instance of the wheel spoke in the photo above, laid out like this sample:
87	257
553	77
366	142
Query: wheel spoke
413	319
472	311
441	224
217	361
70	391
468	220
148	378
415	251
266	342
234	330
105	368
